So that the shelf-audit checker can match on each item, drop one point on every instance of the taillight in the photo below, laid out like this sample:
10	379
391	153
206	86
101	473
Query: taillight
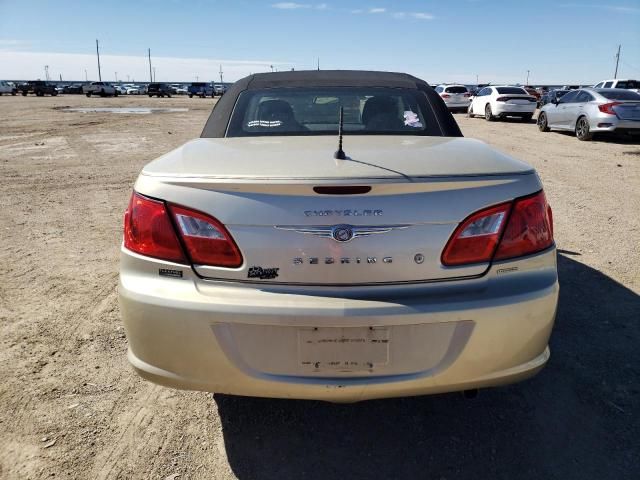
608	107
530	228
467	94
476	239
504	231
445	95
502	99
148	230
206	239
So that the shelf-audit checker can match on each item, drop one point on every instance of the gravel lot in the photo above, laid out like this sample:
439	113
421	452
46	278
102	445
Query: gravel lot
70	406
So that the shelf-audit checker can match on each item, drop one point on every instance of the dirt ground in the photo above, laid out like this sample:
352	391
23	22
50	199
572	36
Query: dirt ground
70	406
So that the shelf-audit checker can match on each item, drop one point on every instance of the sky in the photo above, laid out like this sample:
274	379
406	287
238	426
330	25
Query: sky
440	41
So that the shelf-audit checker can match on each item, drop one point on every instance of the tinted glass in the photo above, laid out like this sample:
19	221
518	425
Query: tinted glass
620	95
511	91
439	89
570	97
560	93
608	84
456	90
315	111
628	84
584	97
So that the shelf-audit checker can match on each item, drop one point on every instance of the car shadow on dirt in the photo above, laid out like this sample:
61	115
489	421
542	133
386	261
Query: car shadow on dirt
577	419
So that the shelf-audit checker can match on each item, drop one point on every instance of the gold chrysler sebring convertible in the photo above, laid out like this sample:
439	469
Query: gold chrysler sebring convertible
331	235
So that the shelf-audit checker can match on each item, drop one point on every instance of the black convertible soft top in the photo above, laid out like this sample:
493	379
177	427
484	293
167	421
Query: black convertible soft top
216	125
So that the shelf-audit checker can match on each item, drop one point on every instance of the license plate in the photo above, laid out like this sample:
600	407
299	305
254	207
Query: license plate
345	349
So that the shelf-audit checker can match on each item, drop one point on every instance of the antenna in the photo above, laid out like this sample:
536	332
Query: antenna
340	155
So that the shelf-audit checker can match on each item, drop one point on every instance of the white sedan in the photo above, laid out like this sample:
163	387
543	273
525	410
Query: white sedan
499	102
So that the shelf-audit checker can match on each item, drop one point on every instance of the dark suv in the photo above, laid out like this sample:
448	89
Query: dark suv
39	87
159	90
200	89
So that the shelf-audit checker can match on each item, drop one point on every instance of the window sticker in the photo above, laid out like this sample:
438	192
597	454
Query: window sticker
411	119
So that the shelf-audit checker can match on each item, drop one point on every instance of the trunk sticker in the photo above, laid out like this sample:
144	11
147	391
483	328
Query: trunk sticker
263	273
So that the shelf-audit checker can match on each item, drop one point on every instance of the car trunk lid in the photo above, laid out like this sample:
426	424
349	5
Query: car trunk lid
412	193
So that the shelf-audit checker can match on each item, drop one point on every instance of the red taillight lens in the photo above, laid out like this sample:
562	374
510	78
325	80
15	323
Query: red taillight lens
476	239
445	95
206	239
527	224
608	108
530	228
467	94
502	99
148	230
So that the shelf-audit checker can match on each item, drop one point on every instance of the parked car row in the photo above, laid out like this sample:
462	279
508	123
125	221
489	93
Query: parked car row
106	89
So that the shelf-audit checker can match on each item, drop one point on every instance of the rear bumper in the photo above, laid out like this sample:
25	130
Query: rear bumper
505	109
607	124
226	338
458	104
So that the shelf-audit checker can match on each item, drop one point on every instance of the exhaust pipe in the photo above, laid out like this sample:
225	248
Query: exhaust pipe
470	394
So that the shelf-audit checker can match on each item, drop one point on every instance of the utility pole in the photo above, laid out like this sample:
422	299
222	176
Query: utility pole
98	53
46	72
318	64
60	77
150	74
615	75
527	78
221	74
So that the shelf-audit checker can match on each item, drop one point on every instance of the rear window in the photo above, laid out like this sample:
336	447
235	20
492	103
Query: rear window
456	89
628	84
199	84
511	91
620	95
315	111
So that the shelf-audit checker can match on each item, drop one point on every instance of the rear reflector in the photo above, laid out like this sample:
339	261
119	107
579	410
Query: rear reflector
445	95
206	239
148	230
527	224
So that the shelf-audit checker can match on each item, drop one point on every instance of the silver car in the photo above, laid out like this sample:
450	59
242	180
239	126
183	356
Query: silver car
592	110
333	236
